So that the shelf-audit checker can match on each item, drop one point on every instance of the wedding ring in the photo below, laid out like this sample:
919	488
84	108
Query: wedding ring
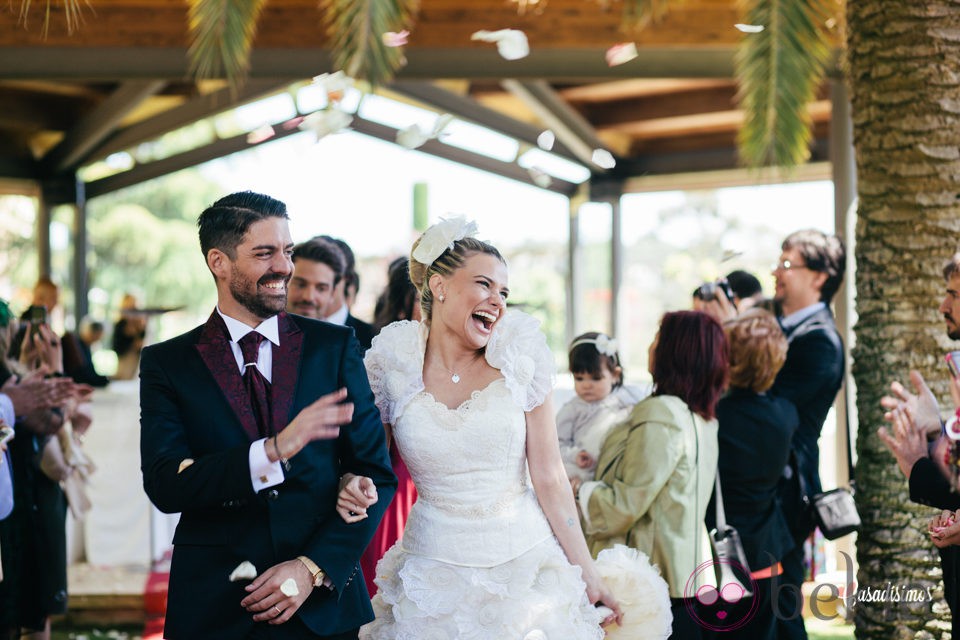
278	610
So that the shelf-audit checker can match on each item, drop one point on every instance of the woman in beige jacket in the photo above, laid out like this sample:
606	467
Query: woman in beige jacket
656	471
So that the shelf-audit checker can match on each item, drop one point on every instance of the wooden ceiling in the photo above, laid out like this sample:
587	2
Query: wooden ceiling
121	78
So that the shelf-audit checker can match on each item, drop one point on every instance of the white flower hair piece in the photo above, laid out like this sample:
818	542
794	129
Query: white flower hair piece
605	344
441	236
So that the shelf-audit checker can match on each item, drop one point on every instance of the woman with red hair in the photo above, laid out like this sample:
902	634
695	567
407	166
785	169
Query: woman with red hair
656	471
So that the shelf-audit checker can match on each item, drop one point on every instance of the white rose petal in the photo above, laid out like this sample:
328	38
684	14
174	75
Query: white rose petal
749	28
621	53
244	571
511	43
326	122
261	133
335	85
289	587
411	137
603	159
540	177
443	121
546	139
395	39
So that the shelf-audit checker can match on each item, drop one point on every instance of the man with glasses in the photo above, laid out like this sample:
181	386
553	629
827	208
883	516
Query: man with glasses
808	274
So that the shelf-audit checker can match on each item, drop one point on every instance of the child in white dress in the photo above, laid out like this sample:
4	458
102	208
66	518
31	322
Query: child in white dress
602	401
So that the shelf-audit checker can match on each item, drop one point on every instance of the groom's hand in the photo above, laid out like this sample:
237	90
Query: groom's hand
268	602
318	421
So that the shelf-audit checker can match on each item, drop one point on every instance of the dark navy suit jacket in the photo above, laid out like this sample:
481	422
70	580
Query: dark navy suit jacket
810	379
185	413
754	436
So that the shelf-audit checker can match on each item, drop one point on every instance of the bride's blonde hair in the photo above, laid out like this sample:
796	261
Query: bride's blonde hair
445	264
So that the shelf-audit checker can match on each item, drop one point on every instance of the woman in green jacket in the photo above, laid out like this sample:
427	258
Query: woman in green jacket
656	471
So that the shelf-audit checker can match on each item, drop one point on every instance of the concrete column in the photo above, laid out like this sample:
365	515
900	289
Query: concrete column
574	261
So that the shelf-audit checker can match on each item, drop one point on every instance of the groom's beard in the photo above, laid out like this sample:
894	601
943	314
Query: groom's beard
257	299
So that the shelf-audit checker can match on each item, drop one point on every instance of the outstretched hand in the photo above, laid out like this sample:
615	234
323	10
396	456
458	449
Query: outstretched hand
908	442
357	493
318	421
922	405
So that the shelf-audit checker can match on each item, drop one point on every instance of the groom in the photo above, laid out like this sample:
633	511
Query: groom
247	424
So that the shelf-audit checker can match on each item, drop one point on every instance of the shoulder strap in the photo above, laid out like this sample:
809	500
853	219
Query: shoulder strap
718	502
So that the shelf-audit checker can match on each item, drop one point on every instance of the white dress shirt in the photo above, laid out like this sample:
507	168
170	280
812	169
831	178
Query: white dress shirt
263	473
339	316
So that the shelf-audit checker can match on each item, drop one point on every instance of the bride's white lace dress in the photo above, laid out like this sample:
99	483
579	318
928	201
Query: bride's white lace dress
477	559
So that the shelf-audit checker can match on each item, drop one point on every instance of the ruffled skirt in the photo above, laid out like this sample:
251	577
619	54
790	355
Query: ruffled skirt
537	596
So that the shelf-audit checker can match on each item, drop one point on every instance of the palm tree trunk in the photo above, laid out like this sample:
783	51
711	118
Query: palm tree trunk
904	72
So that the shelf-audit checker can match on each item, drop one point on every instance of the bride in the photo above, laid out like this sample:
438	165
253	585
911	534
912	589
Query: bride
490	550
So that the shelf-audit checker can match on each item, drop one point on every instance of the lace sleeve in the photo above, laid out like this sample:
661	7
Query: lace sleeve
519	350
394	365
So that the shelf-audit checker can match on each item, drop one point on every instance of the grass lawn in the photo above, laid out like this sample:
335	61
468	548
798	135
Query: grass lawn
821	630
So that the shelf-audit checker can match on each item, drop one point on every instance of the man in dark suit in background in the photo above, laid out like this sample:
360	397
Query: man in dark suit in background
318	267
241	432
344	295
808	273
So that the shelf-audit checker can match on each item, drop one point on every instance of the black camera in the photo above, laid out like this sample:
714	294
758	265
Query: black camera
708	290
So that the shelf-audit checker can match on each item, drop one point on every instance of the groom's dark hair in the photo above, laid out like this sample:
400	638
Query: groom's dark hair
223	224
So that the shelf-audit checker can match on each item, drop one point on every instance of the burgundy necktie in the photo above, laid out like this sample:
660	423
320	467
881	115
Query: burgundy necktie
257	386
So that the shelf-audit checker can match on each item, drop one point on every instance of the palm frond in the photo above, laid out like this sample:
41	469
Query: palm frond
221	35
356	29
71	11
778	72
637	14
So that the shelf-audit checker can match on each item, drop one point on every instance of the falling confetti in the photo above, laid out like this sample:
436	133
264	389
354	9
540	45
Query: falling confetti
511	43
621	53
546	139
264	132
603	159
395	39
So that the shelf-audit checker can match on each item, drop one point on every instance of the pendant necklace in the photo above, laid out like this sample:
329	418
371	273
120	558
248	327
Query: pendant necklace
454	376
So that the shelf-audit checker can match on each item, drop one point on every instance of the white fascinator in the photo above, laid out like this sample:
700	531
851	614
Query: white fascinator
441	236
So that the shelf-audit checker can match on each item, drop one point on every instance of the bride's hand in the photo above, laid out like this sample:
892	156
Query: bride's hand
600	595
356	494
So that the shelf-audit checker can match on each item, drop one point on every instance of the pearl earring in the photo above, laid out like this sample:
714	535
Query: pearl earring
442	297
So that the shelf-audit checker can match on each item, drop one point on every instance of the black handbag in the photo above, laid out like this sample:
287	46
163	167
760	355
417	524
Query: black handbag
835	512
730	561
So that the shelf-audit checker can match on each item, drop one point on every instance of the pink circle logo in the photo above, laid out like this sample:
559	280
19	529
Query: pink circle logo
725	607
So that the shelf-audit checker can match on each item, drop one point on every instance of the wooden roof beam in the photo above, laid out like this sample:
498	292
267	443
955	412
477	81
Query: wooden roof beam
705	123
686	103
571	128
469	109
187	113
98	124
616	90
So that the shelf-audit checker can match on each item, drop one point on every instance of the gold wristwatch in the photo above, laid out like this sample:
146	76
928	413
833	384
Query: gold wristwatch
318	574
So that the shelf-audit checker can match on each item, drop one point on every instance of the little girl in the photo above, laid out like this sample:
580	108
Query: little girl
601	402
